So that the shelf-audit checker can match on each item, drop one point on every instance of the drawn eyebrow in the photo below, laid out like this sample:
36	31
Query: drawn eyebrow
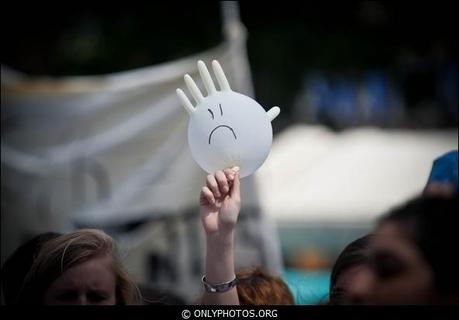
211	113
221	111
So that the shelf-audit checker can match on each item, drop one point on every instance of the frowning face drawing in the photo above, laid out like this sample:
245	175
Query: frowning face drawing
221	126
226	128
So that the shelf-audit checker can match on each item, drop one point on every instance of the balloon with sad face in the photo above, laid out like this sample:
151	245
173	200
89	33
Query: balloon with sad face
226	128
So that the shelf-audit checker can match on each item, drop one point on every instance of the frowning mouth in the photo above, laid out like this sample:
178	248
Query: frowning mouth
222	126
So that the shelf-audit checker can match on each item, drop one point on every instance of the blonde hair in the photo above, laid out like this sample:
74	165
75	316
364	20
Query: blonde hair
257	287
61	253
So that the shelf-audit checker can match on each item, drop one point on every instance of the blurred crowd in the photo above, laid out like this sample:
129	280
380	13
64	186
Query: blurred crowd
408	258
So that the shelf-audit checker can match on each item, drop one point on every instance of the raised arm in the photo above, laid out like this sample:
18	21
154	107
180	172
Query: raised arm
220	203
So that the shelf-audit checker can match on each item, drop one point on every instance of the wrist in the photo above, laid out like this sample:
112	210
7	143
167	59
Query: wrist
220	258
221	239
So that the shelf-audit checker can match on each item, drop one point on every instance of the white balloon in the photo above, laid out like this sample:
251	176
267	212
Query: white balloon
227	129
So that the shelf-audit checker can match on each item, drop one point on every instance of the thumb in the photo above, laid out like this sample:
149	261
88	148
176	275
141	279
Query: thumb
235	189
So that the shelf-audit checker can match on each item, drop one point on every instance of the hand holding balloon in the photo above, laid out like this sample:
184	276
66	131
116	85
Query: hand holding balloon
220	202
226	128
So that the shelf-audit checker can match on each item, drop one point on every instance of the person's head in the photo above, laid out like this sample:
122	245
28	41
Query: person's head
350	273
81	267
257	287
413	254
18	265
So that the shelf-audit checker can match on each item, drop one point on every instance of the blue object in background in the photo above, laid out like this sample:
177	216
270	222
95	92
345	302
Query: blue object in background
342	102
444	169
447	87
334	101
376	89
308	287
317	89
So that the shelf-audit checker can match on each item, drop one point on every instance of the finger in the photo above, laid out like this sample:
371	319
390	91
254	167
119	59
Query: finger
193	88
206	78
220	75
229	175
222	182
185	101
208	195
213	185
236	189
273	113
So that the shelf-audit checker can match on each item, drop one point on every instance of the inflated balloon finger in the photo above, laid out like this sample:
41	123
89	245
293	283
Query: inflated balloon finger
226	128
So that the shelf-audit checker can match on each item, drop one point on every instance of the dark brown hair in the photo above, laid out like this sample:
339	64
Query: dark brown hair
431	223
354	253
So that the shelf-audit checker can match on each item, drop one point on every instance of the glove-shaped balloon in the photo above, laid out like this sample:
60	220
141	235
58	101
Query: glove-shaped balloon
226	128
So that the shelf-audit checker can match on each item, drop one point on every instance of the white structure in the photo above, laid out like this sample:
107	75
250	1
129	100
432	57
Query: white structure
111	151
317	176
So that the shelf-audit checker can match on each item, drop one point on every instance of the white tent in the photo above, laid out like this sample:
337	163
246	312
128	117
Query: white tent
314	175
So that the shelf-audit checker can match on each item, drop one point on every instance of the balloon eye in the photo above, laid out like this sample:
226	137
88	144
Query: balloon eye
212	114
221	110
